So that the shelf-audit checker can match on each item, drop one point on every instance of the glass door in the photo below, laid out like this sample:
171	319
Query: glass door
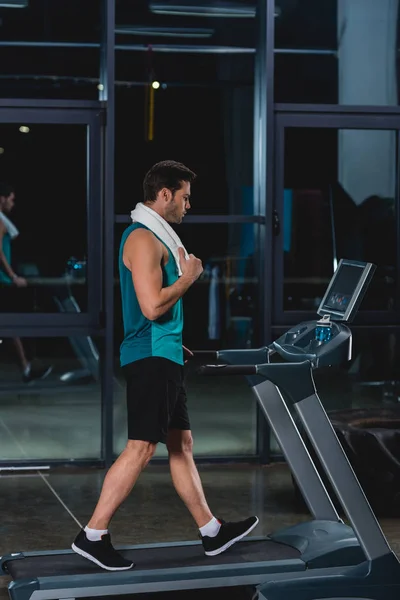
336	196
50	283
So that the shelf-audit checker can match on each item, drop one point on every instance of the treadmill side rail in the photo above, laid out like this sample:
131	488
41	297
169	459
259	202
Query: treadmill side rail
6	558
23	589
150	581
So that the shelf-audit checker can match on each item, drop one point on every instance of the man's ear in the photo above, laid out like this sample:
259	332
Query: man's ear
166	194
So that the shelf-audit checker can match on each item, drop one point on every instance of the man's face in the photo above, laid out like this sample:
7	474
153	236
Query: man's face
179	204
7	203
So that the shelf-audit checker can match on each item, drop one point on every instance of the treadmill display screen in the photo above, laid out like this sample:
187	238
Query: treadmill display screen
343	288
346	290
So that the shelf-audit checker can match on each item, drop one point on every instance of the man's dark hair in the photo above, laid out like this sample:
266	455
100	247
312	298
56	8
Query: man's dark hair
6	190
166	174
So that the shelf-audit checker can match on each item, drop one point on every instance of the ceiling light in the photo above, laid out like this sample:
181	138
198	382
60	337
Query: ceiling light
192	9
24	129
14	4
183	32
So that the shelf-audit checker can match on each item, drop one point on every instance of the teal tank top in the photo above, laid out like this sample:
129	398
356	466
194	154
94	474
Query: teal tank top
4	278
144	338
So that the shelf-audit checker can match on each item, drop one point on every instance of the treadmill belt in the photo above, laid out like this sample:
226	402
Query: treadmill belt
151	558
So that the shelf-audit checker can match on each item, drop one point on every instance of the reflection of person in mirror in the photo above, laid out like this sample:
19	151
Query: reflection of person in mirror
8	278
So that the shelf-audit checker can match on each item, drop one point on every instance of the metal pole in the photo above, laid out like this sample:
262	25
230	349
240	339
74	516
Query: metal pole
107	95
263	185
268	158
175	48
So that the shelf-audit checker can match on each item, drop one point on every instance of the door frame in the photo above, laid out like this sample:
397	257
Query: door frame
63	112
90	323
336	117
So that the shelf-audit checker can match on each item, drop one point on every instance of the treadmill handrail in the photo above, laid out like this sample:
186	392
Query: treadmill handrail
228	370
293	353
295	379
235	356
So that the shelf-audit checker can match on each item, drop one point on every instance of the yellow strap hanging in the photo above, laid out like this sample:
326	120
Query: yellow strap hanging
150	133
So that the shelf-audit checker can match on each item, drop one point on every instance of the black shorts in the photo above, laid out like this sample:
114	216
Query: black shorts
156	399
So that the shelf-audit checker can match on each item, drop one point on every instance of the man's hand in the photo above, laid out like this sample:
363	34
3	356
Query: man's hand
187	353
20	282
191	267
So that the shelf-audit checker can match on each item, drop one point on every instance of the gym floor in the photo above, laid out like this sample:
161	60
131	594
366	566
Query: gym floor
43	511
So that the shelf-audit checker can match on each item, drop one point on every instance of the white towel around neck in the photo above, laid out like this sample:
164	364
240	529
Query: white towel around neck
151	219
11	229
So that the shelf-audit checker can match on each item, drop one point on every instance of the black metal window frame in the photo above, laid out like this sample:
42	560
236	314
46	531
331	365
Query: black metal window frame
334	117
263	191
53	325
89	114
99	118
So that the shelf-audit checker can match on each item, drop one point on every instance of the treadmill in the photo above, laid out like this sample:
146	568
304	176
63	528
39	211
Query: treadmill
323	558
83	346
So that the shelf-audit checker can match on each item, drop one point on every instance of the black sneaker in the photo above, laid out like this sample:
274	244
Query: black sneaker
229	534
102	553
37	373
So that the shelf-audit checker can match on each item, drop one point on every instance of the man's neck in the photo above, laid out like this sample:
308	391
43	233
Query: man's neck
156	209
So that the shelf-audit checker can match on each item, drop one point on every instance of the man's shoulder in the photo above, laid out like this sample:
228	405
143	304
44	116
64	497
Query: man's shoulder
138	231
138	234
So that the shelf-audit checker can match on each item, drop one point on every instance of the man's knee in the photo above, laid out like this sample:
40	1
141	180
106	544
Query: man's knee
179	442
141	451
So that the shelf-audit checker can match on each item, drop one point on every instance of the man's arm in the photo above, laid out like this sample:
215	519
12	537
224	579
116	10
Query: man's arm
143	256
3	260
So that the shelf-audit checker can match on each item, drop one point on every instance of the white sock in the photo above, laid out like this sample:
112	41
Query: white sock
211	528
94	535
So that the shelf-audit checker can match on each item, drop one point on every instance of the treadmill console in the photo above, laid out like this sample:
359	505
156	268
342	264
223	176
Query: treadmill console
328	341
323	343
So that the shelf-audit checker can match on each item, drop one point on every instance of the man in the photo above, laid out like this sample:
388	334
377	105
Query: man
8	278
153	281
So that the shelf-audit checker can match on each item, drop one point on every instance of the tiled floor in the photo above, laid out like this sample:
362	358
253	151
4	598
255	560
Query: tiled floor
44	510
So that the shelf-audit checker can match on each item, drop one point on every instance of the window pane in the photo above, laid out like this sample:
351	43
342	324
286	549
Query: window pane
51	68
229	282
339	202
204	70
217	146
46	166
221	311
57	416
222	413
321	50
